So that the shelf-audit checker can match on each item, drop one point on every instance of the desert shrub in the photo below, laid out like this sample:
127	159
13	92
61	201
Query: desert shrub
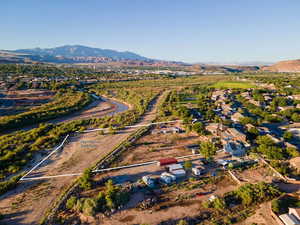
187	165
219	203
182	222
71	202
281	205
249	194
79	205
9	184
293	152
282	167
199	128
85	180
288	135
89	207
101	202
114	196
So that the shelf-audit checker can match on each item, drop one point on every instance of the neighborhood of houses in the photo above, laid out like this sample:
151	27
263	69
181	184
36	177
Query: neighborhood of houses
234	142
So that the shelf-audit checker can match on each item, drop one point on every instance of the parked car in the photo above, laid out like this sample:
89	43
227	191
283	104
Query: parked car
149	181
170	175
197	171
166	179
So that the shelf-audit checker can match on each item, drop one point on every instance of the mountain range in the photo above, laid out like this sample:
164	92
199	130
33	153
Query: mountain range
69	54
70	51
84	54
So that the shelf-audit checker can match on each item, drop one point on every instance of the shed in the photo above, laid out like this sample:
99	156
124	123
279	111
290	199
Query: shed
166	161
173	167
178	173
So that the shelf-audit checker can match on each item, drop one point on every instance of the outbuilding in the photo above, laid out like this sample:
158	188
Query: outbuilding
167	161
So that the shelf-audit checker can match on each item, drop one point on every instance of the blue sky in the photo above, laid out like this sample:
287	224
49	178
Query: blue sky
185	30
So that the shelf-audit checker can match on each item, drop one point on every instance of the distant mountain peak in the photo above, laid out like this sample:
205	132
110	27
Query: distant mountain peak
70	51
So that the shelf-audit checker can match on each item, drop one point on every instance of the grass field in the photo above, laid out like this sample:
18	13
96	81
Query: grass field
233	84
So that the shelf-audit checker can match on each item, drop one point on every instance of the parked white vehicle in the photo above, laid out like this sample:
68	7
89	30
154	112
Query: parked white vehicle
197	171
166	179
170	175
148	181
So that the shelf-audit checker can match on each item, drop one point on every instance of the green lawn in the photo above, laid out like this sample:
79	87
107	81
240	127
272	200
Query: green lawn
233	84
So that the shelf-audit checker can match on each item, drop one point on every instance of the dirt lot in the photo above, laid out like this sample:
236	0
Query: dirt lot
157	146
25	206
254	175
262	216
171	208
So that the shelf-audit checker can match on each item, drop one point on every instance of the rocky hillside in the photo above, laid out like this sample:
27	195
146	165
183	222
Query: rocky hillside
284	66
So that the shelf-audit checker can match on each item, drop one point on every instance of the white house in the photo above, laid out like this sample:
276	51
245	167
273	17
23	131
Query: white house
235	148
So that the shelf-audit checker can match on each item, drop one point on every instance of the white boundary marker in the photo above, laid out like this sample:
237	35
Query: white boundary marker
133	126
49	177
43	160
103	170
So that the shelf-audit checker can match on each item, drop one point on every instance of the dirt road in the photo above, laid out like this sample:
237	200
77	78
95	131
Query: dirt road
30	200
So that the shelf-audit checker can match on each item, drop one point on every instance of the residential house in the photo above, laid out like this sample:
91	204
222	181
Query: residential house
246	95
267	98
257	103
291	218
289	145
295	162
215	128
263	130
236	135
227	110
167	130
216	95
296	97
295	212
249	126
235	148
236	117
276	140
283	108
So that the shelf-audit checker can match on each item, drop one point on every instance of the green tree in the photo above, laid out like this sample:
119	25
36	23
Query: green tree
182	222
71	202
295	117
85	180
89	207
219	204
288	135
188	165
199	128
247	120
265	140
293	152
208	150
101	202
